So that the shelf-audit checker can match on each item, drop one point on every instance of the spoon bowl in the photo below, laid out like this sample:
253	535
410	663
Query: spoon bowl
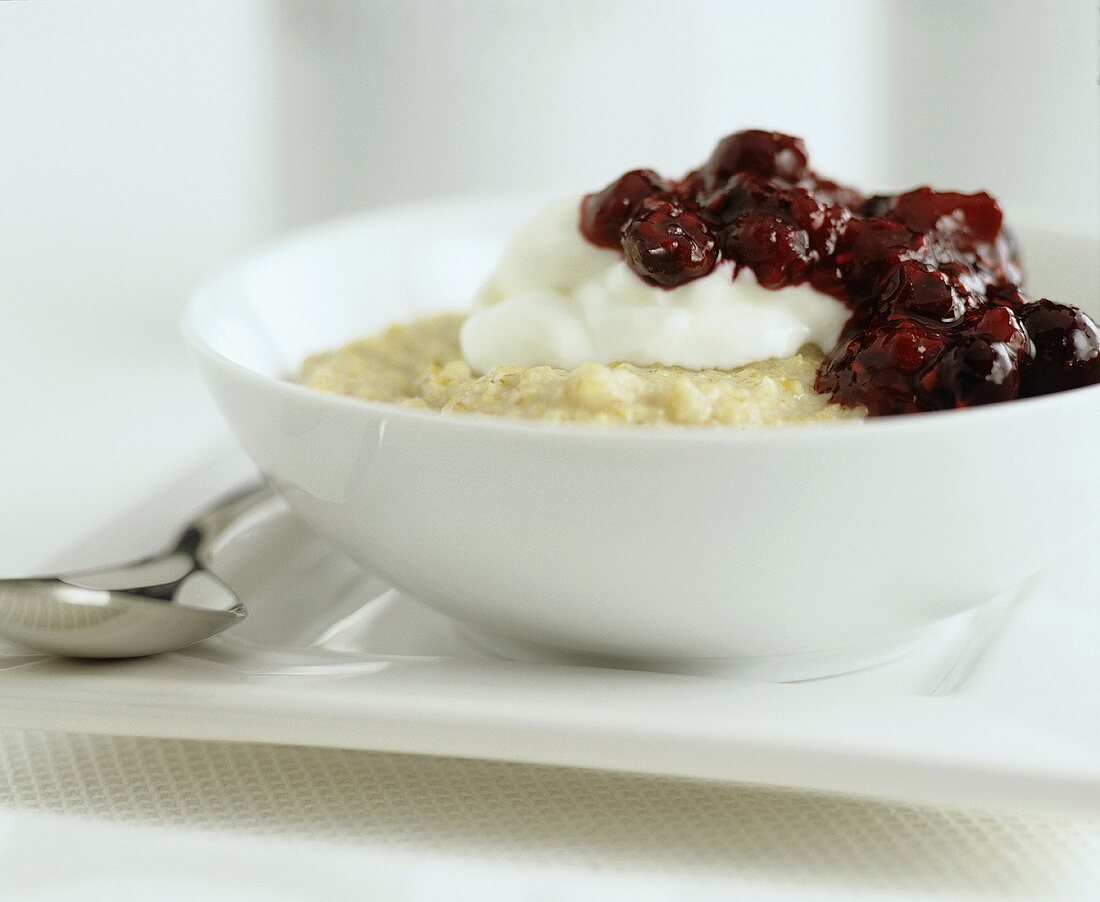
150	606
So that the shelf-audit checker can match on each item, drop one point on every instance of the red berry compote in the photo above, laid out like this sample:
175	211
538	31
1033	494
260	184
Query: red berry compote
939	318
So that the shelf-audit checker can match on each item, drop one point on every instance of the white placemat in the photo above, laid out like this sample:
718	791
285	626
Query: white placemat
542	832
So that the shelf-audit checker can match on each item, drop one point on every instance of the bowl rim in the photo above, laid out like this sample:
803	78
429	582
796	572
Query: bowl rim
203	304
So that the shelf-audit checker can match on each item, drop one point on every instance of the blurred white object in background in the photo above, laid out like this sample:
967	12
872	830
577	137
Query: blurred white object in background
999	95
135	155
135	151
385	101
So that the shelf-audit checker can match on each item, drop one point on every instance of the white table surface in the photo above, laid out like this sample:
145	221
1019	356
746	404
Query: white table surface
99	412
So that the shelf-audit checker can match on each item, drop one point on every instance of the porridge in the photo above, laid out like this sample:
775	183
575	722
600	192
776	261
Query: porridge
421	365
752	291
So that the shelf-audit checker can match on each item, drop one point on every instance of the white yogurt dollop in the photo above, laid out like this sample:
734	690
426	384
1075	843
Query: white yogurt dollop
556	299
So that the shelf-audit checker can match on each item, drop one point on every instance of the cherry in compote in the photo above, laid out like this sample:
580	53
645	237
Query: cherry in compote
604	214
972	371
932	278
920	290
767	154
968	218
668	245
879	365
1067	348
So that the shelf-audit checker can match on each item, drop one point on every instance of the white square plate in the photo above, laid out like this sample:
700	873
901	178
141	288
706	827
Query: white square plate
999	711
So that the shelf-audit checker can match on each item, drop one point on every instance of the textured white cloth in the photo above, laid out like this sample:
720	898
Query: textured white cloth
542	832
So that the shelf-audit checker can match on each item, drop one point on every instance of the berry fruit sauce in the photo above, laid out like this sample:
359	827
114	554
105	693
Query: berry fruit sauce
932	278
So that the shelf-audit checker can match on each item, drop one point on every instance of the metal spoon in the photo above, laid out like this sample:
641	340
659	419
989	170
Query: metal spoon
152	605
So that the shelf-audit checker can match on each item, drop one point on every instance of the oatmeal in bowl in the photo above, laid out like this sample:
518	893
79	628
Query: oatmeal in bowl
420	365
752	291
557	465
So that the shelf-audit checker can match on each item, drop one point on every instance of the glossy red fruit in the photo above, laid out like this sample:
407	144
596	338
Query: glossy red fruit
779	233
879	365
871	248
1002	324
967	217
917	289
668	245
971	372
931	277
966	277
777	251
1066	348
604	213
1005	294
766	154
689	187
826	226
832	193
745	193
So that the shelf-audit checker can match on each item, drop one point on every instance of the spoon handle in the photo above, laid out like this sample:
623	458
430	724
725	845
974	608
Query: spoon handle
199	537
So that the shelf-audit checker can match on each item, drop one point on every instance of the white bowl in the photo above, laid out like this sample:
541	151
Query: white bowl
785	553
